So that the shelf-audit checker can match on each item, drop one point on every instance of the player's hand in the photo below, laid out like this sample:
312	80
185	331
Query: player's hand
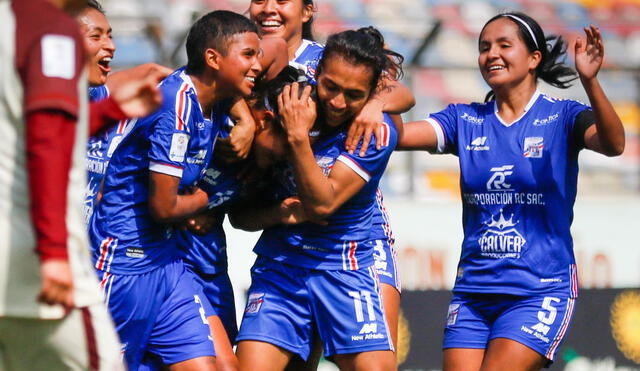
367	123
202	223
589	53
297	112
292	212
139	98
238	145
57	283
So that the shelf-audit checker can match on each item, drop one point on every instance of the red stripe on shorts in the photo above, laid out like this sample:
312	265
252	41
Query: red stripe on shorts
92	346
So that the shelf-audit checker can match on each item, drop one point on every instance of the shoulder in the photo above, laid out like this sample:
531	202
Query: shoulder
177	91
473	113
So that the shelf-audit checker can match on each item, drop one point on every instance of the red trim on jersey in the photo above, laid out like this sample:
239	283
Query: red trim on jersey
92	344
181	106
49	136
104	114
353	262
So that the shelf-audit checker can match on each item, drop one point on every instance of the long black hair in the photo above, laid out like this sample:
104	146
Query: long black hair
214	30
552	68
363	46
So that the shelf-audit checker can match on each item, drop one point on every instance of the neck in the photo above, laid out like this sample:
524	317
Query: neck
511	101
292	46
206	90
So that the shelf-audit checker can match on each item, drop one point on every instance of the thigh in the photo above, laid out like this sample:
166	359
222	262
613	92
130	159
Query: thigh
83	340
391	302
461	359
509	355
367	361
540	323
261	356
181	331
278	309
349	312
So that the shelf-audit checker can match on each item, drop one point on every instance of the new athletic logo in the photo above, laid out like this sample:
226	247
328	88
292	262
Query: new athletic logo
501	240
478	144
498	180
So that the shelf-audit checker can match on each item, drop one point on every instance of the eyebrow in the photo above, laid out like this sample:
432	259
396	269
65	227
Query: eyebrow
500	39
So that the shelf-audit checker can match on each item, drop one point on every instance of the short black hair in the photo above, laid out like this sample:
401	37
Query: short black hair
95	5
214	30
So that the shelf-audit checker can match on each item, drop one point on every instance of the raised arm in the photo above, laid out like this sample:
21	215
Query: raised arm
607	135
320	195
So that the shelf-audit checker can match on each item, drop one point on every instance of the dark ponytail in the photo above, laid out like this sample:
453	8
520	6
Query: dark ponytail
364	46
552	68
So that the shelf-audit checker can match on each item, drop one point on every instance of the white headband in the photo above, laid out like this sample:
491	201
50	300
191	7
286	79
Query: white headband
527	26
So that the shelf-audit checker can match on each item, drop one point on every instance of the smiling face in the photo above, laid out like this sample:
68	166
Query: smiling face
343	89
283	18
239	66
98	43
504	59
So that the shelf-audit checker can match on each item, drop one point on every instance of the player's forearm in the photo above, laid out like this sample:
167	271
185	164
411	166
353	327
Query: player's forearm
50	138
609	126
314	188
166	205
104	114
394	97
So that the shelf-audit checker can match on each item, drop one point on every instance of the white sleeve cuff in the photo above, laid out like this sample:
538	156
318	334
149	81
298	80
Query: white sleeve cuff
439	134
162	168
355	167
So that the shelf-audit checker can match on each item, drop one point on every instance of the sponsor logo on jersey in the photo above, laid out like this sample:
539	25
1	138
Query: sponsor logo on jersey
498	180
254	302
219	198
369	328
211	176
546	121
452	314
478	144
502	239
133	252
368	331
472	119
533	147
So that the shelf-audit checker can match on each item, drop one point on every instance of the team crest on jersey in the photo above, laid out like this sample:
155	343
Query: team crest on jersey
502	239
452	314
254	302
533	147
325	163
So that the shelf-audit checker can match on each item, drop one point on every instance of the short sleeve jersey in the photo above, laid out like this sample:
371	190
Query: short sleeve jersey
344	243
308	56
518	185
208	253
176	140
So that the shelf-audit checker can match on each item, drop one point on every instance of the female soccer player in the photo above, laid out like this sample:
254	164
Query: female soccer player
319	276
155	302
516	284
292	20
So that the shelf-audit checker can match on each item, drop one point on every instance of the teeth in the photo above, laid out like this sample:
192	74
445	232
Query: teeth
270	23
494	68
250	78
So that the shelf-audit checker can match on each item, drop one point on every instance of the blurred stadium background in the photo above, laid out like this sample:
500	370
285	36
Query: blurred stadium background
439	41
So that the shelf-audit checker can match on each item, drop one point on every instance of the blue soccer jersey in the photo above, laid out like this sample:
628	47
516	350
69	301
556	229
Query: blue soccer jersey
308	56
208	253
99	150
175	140
518	185
344	243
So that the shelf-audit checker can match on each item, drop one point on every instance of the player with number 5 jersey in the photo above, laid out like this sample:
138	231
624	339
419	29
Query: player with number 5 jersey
516	282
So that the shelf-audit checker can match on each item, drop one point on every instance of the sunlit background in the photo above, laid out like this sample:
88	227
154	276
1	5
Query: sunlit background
439	41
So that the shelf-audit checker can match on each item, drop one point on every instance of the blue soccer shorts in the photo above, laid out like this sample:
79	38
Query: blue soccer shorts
163	312
287	303
219	292
386	264
538	322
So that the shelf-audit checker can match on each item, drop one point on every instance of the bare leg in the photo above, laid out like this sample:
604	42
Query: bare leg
260	356
225	358
391	300
510	355
379	360
462	359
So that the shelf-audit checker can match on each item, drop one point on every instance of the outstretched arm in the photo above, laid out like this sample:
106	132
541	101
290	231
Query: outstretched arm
607	135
